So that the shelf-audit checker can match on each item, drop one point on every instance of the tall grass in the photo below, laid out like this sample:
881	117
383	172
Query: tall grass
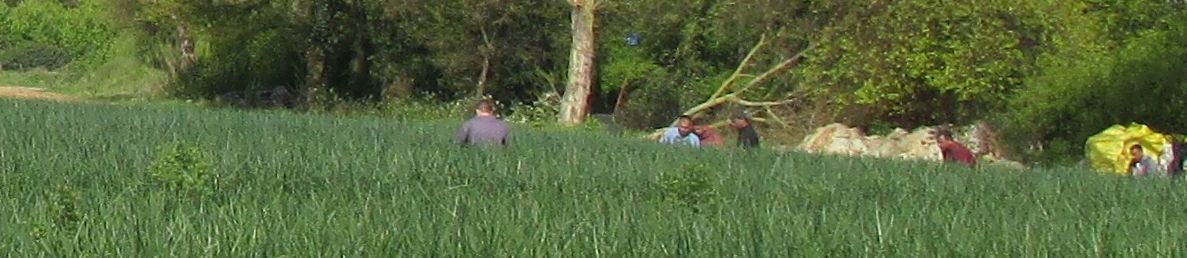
298	185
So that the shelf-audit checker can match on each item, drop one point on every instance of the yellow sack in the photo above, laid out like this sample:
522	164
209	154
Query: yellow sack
1108	151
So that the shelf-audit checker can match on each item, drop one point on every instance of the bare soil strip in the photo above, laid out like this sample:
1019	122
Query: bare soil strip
14	92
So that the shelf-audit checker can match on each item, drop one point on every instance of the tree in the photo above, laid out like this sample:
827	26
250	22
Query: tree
924	62
582	58
496	48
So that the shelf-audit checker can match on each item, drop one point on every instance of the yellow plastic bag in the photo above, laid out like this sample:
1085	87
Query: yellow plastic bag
1108	151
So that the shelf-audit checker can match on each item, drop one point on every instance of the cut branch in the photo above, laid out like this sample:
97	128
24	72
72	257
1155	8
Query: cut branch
717	99
738	71
763	103
777	68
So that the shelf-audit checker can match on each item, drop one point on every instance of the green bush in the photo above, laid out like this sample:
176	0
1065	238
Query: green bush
66	202
182	168
57	34
29	55
409	109
542	112
650	106
691	188
1076	96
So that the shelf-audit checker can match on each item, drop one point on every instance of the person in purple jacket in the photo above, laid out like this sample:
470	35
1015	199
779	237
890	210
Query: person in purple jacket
484	128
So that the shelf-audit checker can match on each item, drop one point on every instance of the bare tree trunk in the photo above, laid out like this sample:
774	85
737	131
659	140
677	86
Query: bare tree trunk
623	93
483	76
575	103
486	50
315	66
185	45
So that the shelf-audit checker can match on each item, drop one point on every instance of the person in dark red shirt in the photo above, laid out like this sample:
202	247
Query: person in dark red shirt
954	151
708	136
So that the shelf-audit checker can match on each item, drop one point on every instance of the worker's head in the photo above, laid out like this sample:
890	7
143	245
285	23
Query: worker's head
484	108
740	120
700	129
943	135
1136	151
685	124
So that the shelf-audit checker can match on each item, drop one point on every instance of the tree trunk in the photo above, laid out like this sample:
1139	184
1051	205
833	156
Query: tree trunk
575	103
185	45
481	91
623	92
486	50
314	75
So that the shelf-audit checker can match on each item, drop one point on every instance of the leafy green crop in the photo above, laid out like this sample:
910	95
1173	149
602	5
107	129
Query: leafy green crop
307	185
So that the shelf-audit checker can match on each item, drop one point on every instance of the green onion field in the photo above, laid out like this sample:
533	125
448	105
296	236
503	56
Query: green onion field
100	180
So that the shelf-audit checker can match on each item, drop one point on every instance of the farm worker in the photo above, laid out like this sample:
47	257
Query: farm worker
954	151
1140	164
707	135
681	134
484	128
1172	156
747	137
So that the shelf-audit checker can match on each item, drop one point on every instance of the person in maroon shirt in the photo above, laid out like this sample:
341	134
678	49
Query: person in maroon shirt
708	136
954	151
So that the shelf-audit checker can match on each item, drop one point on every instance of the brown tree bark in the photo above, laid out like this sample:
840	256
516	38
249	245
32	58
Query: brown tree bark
582	58
185	47
486	50
315	74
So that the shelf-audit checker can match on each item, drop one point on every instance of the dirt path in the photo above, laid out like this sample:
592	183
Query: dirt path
14	92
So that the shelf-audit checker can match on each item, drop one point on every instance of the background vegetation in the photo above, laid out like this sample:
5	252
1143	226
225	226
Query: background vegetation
1048	73
137	181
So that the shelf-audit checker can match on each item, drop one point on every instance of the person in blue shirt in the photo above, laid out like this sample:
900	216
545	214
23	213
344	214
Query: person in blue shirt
681	134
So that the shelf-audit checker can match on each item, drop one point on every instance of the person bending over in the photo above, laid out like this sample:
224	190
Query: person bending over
953	151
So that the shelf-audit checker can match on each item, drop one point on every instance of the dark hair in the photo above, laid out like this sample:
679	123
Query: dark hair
485	106
944	133
686	117
1136	146
740	115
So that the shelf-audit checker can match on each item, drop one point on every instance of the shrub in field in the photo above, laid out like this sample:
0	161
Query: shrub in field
65	204
409	109
64	209
539	113
691	187
182	168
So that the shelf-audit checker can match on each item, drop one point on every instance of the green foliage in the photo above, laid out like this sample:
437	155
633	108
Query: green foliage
410	109
650	106
1076	96
525	43
54	33
539	113
65	205
922	62
692	187
183	168
620	65
254	62
28	55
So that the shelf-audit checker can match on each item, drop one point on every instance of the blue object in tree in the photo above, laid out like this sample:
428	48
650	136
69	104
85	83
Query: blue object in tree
632	39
